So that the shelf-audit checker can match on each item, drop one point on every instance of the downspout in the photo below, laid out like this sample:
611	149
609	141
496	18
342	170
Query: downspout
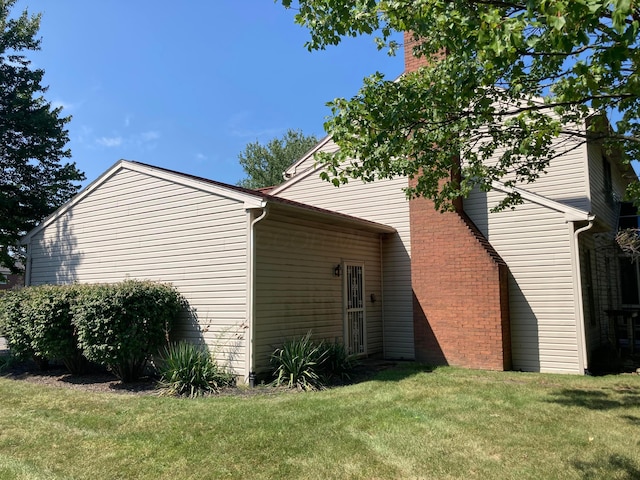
252	295
577	293
382	299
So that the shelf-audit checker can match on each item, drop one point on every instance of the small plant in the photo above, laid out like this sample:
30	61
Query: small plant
298	363
188	369
338	362
7	362
308	365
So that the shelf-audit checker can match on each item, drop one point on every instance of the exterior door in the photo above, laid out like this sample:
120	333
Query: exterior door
355	331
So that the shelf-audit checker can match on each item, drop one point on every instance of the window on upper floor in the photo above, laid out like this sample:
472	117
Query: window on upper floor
628	217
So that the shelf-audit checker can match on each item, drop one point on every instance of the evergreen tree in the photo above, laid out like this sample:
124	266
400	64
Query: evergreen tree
34	179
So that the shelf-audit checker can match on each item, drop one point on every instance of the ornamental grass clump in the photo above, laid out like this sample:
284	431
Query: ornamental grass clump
190	370
338	364
308	365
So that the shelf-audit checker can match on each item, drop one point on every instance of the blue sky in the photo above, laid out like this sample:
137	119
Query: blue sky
187	87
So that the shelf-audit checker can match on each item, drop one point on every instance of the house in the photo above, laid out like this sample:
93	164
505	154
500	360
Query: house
255	269
529	289
538	288
10	280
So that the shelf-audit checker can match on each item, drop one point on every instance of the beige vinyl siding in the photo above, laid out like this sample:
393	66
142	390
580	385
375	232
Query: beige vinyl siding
606	214
604	251
296	289
566	178
138	226
384	202
535	243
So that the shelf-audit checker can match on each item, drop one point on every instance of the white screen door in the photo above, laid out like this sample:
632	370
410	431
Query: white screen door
355	325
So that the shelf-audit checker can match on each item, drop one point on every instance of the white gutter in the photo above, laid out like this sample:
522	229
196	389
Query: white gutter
250	362
577	293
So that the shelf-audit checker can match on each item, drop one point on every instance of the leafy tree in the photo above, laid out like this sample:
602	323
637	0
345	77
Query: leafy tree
33	182
509	86
264	164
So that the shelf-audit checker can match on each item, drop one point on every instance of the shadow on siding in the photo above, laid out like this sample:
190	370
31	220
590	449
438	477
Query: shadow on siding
59	259
525	333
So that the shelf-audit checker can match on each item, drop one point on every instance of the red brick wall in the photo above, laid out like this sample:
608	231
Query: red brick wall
412	63
460	292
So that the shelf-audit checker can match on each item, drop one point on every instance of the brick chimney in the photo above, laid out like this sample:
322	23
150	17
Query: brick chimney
460	290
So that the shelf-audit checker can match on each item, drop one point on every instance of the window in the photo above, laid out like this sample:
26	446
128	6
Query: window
628	216
629	285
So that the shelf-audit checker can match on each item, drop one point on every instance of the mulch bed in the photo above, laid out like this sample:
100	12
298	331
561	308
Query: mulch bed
102	381
97	381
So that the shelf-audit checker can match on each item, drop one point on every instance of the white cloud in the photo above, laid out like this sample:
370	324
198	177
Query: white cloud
144	140
127	120
60	103
237	127
109	141
200	156
149	136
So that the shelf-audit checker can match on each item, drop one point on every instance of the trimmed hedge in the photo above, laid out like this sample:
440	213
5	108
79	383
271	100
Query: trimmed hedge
37	323
122	325
46	314
118	325
14	324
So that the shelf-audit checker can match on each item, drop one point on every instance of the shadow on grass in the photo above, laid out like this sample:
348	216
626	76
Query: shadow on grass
389	371
632	419
604	399
616	466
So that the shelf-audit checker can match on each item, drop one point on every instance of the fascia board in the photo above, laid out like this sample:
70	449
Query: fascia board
295	179
249	200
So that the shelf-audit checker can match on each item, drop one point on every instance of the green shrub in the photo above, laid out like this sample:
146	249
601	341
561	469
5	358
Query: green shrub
37	323
297	363
122	325
3	317
47	311
188	369
16	326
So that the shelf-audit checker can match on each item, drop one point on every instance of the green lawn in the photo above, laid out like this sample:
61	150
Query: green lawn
406	423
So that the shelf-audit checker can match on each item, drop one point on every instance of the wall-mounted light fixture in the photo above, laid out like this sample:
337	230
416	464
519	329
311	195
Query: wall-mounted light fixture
338	270
373	298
